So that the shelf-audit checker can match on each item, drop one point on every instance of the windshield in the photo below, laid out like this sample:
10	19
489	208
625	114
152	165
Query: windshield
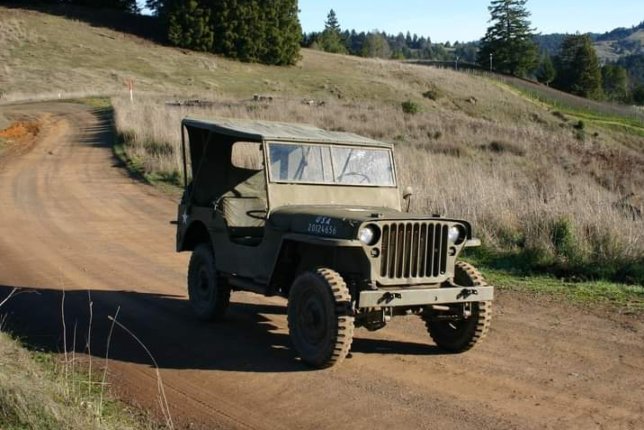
331	164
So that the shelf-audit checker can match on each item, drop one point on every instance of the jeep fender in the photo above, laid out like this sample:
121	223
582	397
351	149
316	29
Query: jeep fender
193	235
298	252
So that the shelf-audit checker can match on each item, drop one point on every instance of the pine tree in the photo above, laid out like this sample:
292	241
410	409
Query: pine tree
331	38
508	42
615	82
249	30
282	33
638	95
546	72
331	22
189	26
577	67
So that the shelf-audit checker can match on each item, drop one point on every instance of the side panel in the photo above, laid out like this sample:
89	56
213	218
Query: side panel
252	262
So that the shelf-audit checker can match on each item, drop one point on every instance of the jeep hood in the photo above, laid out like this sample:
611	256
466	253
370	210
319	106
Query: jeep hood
336	221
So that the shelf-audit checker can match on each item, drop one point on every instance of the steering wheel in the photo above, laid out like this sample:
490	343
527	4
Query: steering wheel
364	177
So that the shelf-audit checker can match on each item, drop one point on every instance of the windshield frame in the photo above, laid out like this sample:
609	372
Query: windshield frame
330	145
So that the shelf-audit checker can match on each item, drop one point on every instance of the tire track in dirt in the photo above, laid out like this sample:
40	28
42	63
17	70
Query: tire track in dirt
71	219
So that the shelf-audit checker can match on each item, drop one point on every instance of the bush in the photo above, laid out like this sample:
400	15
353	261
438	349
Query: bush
565	241
410	107
433	94
501	146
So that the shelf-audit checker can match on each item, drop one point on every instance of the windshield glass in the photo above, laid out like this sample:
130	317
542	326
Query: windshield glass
331	164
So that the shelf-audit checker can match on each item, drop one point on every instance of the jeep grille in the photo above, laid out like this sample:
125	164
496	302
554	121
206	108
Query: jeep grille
413	249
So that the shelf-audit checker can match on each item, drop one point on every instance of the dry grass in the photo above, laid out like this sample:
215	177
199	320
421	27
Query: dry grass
529	187
40	390
33	395
534	183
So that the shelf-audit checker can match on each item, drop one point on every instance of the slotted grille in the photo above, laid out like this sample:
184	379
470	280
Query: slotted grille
413	250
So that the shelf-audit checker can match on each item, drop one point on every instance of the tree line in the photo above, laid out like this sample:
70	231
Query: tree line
382	45
509	46
262	31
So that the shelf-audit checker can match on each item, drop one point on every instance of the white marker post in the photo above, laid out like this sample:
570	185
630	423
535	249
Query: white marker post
130	87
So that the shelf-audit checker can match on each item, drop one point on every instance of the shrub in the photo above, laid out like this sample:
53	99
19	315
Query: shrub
410	107
501	146
433	94
564	240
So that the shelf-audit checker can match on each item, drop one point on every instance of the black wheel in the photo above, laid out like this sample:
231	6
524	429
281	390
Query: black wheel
320	320
209	295
460	333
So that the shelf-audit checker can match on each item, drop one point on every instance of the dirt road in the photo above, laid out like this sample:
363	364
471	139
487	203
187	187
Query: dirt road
73	221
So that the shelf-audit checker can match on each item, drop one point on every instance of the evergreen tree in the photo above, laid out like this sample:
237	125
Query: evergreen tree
509	39
189	26
638	95
282	33
634	65
546	72
331	22
376	45
249	30
578	67
615	82
331	38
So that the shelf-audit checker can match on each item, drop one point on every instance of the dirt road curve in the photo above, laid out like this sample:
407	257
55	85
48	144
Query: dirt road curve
72	220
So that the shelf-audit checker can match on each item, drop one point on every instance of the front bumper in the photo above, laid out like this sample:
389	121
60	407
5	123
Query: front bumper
425	296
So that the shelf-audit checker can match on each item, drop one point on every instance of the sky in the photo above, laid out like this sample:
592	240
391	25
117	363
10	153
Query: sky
467	20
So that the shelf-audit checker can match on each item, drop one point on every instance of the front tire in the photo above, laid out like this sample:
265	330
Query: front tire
320	320
459	335
209	296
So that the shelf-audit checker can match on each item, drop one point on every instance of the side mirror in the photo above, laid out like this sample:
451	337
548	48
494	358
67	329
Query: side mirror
409	191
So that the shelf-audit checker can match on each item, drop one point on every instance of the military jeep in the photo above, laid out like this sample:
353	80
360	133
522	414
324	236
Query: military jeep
316	217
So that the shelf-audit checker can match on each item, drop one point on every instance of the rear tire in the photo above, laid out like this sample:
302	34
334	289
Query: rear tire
461	334
320	320
208	294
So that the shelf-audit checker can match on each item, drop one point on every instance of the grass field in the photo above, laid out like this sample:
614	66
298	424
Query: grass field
43	391
551	182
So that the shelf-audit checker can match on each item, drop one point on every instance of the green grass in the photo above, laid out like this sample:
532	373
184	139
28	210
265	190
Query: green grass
168	183
97	102
38	392
629	298
589	110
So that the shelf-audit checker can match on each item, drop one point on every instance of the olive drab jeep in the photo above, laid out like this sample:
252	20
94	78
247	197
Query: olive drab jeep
316	217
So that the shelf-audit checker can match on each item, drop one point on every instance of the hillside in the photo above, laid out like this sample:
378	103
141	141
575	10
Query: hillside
552	184
525	172
610	46
613	48
624	46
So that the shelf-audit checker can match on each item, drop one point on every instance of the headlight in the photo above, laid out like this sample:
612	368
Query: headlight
368	235
456	234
